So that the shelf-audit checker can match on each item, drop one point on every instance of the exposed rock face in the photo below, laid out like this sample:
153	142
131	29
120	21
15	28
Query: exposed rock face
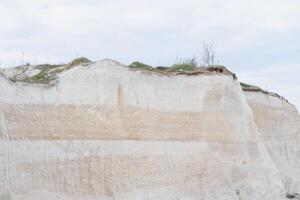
279	123
103	131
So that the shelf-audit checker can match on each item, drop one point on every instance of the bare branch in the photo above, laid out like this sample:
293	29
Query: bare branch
208	54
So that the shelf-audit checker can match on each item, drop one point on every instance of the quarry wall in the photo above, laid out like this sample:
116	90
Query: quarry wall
106	132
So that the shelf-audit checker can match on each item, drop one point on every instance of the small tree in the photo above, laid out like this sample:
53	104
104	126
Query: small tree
208	54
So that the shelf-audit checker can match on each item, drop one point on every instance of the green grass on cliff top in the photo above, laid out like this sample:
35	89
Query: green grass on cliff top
48	72
186	66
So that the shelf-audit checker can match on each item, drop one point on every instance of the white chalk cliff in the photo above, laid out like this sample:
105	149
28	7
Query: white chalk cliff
104	131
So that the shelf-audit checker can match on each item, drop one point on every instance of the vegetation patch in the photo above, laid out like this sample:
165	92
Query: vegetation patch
188	67
183	67
77	61
47	66
140	66
245	85
47	74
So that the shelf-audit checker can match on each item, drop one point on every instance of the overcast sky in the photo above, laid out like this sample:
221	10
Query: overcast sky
258	40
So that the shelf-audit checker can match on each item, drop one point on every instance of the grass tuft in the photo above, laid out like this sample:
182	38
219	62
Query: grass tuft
140	66
78	61
245	85
186	66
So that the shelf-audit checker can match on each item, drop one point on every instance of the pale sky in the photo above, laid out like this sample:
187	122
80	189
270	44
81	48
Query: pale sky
259	40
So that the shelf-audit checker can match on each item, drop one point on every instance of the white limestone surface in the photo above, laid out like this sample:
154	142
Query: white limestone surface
106	132
279	123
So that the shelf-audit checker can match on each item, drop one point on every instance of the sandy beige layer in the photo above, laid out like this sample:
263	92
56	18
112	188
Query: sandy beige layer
92	122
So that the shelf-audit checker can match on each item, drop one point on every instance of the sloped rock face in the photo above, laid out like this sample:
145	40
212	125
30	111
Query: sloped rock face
279	123
106	132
